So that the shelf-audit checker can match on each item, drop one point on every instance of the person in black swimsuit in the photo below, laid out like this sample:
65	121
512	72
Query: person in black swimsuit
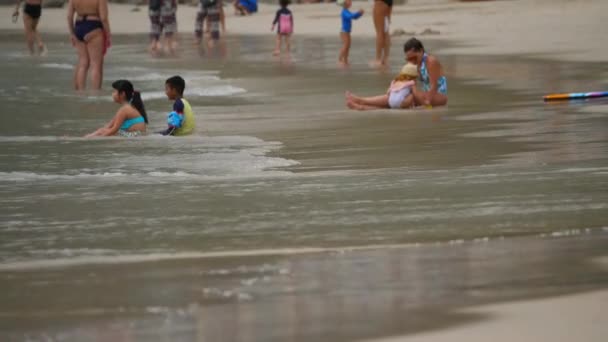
382	19
31	15
89	27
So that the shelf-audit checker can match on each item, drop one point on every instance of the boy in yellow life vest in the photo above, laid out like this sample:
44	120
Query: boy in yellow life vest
181	120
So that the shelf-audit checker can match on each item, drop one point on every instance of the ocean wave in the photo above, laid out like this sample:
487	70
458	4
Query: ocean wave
155	76
62	66
149	177
223	90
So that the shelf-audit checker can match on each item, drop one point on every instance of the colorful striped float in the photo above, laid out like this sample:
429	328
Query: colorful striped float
575	96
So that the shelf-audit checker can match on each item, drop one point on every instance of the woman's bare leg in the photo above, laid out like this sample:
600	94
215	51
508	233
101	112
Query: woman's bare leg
94	44
80	72
37	38
28	25
387	47
380	13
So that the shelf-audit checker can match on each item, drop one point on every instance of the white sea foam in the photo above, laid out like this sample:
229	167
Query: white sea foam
62	66
217	90
145	177
155	76
153	257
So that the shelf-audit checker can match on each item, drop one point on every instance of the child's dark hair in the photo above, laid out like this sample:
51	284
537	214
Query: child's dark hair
177	83
134	97
284	3
413	44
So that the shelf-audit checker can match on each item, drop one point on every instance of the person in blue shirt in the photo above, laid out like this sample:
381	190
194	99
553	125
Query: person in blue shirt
347	18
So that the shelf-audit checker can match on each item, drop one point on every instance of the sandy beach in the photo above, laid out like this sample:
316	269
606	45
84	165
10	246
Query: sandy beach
569	318
544	28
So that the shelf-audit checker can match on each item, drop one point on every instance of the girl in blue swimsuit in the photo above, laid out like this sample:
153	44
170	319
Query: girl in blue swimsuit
131	119
433	81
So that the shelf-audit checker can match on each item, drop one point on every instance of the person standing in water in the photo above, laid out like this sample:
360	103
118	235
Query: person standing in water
131	119
213	12
431	75
163	21
382	19
31	16
283	20
347	23
90	35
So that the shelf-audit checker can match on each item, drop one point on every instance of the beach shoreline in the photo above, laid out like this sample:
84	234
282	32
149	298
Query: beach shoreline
573	317
548	29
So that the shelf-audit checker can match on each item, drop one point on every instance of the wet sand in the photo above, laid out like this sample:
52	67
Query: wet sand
566	318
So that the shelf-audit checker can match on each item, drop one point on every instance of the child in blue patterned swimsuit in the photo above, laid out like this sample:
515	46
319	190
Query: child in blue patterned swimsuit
347	18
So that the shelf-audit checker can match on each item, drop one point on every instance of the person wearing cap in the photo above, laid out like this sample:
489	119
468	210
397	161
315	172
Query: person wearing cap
399	94
347	18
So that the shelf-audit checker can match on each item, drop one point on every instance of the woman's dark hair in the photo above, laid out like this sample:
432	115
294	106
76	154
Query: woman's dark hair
284	3
413	44
177	83
134	97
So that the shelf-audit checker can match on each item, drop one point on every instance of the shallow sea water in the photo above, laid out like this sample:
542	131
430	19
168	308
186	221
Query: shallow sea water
287	216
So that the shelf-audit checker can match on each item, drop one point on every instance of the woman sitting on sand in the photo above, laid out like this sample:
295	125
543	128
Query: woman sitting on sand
399	94
131	119
90	34
433	80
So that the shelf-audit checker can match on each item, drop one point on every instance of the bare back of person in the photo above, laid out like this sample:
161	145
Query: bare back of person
89	8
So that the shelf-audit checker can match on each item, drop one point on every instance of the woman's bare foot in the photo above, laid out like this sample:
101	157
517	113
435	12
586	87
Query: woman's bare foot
42	51
276	52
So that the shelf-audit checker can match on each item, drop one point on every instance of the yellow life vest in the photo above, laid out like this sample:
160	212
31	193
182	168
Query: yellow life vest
188	124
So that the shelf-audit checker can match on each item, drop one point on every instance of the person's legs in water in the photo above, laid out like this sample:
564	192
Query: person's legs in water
155	31
169	25
277	47
199	24
344	51
288	43
28	25
380	14
41	47
95	42
387	40
82	68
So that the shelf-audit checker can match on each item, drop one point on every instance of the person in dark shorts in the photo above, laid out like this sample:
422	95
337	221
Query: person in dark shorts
163	20
31	16
209	19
